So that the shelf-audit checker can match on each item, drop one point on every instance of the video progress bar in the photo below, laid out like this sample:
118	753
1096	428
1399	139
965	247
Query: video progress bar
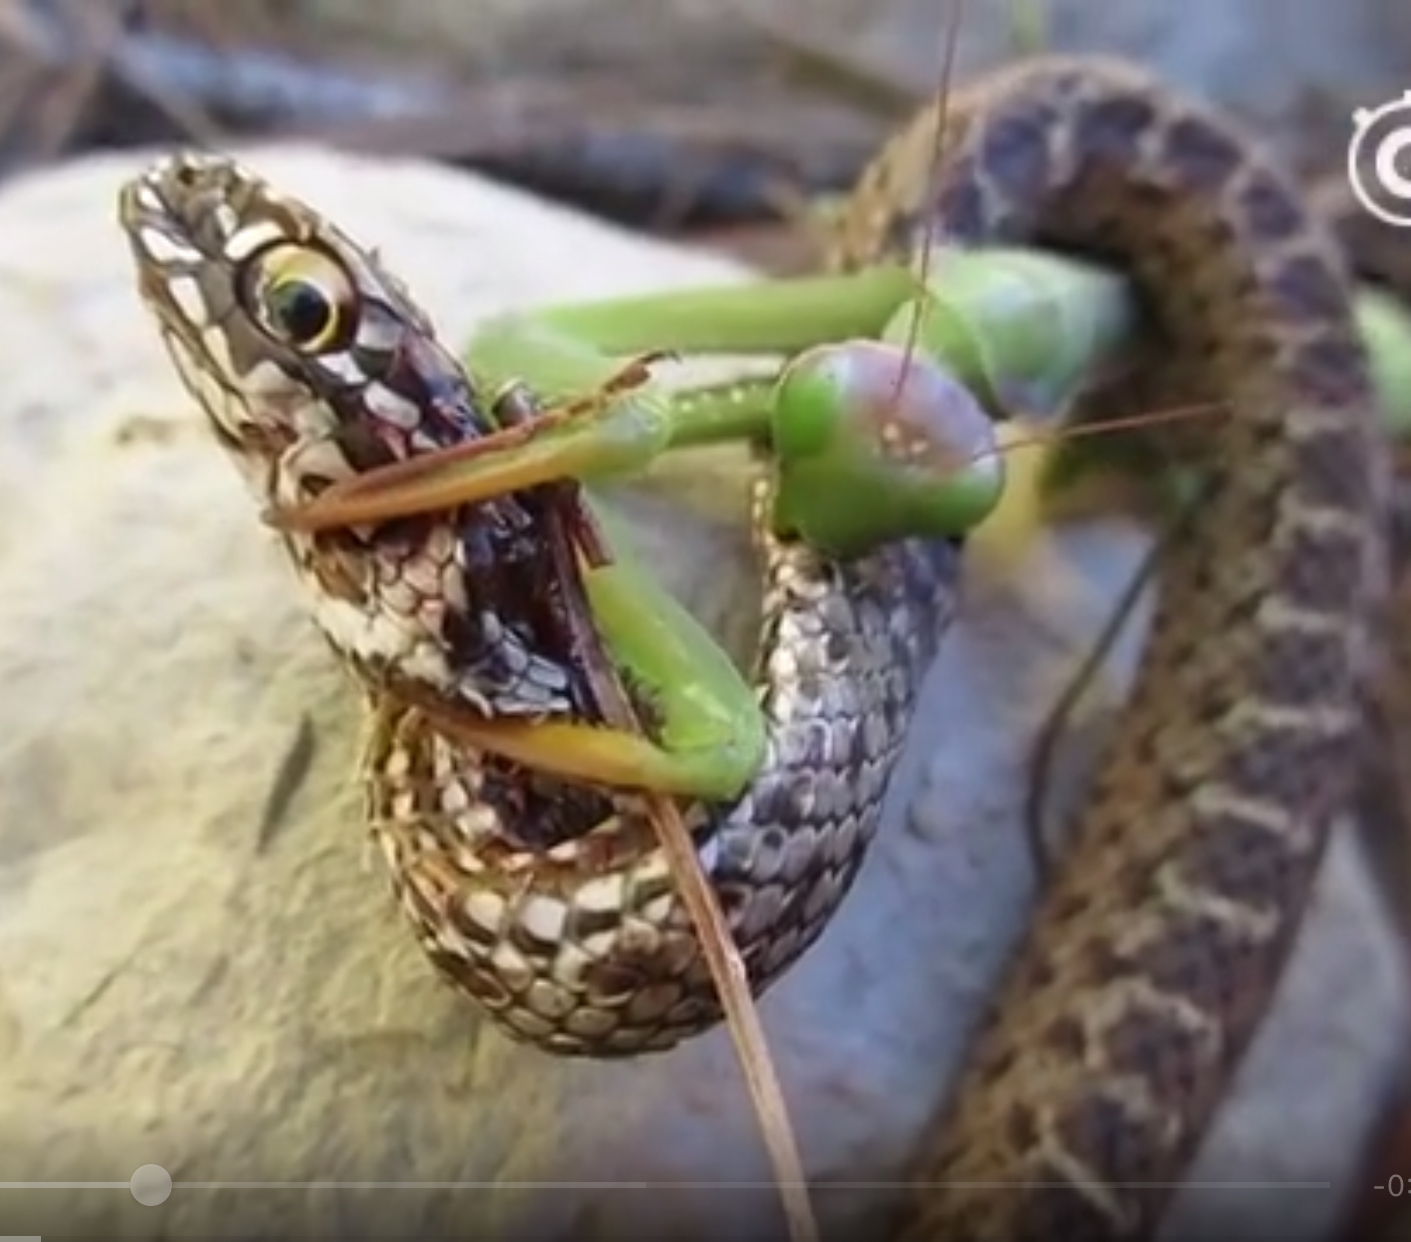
660	1185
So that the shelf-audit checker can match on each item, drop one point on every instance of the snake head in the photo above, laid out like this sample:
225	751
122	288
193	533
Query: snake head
313	364
309	359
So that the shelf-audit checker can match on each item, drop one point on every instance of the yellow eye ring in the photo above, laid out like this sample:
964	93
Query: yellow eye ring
301	297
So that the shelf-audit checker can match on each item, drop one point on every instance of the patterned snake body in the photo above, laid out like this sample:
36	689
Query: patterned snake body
1153	956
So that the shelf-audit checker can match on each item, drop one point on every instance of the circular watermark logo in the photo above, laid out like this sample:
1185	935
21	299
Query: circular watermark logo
1379	160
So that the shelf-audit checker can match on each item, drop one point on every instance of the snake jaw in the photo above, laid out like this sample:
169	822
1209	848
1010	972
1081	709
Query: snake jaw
215	248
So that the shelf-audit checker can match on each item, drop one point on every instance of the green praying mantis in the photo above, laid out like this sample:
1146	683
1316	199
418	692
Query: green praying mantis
880	424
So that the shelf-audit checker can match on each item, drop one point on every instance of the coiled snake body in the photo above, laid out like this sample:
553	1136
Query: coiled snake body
1153	956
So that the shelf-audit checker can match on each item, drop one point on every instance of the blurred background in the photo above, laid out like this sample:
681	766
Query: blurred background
703	119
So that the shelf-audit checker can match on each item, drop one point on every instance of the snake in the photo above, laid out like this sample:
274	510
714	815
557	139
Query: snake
1153	954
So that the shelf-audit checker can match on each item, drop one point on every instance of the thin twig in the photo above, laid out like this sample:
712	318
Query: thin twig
727	970
731	979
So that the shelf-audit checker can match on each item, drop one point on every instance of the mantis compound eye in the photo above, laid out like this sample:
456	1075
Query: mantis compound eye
301	297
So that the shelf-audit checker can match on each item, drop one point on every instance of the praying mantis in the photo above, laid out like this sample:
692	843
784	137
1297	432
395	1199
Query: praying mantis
830	422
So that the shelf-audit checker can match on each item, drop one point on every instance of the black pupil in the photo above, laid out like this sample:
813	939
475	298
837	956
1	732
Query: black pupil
300	309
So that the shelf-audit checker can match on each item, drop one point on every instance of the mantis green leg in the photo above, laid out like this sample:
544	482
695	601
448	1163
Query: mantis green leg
709	737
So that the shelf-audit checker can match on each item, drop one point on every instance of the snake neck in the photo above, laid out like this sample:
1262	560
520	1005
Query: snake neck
407	612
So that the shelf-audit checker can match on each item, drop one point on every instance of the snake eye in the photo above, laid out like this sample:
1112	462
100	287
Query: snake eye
301	296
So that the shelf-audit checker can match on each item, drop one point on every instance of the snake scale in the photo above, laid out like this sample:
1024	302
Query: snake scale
1152	957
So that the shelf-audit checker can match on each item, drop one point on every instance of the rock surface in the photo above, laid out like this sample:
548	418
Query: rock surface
182	988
